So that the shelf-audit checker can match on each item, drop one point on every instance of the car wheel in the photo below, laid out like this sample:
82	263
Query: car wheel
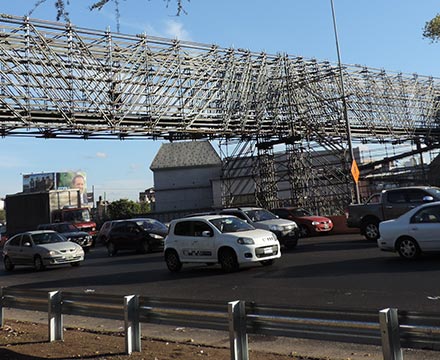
38	263
75	264
145	247
267	262
111	249
228	260
172	260
408	248
304	231
371	231
9	265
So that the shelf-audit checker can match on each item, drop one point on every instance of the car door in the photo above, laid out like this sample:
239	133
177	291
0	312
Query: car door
123	235
27	250
425	228
203	241
13	249
193	243
396	203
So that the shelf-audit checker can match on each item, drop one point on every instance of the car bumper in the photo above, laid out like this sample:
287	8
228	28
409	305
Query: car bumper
268	252
60	260
289	238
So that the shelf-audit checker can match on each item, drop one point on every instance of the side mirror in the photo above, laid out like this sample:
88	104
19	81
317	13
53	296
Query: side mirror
206	233
428	198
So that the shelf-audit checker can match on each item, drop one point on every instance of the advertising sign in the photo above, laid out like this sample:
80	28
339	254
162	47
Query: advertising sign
39	182
57	181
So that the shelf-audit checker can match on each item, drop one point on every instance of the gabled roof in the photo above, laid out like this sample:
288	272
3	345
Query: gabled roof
185	154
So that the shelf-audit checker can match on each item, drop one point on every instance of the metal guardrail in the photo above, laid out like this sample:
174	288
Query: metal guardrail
390	328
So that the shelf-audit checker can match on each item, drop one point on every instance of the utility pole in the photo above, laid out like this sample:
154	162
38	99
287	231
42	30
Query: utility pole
344	107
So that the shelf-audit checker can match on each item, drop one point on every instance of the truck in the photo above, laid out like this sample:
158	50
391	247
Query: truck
26	210
388	204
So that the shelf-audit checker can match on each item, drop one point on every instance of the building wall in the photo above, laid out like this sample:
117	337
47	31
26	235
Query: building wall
184	188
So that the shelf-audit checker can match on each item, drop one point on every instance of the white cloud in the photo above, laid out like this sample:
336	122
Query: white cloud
175	30
101	155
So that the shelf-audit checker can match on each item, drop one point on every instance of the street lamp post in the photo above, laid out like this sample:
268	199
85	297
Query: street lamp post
344	103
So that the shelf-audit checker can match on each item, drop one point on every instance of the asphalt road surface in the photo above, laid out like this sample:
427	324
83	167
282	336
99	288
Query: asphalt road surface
338	271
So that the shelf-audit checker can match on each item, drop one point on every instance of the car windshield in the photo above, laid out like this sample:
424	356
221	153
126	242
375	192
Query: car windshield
152	225
47	238
260	215
231	225
435	192
62	228
80	215
301	212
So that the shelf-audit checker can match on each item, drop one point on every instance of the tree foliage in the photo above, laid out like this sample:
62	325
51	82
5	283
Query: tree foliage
61	7
123	209
432	29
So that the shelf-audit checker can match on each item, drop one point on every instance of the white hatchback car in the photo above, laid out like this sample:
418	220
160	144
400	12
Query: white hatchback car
41	248
220	239
413	233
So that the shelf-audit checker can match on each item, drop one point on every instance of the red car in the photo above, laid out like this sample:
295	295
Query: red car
308	224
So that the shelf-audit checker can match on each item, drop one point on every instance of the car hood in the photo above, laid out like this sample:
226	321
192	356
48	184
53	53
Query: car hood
259	235
315	218
158	232
75	234
279	222
60	246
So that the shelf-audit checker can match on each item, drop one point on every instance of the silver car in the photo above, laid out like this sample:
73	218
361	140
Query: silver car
40	249
414	233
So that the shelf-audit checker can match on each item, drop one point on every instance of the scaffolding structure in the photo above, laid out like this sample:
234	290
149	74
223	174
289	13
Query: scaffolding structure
61	81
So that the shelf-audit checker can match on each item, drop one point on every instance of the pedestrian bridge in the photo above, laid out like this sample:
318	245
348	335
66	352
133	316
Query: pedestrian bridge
58	80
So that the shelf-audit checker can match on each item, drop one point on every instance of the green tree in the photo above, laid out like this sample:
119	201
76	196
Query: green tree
123	209
2	215
432	29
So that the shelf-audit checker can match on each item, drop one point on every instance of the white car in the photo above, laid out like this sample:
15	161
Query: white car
413	233
220	239
39	249
287	231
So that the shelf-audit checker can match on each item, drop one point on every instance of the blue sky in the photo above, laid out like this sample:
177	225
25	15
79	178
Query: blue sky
377	33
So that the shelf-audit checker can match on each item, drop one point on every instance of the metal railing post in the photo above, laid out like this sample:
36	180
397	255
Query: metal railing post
132	324
389	329
2	310
237	330
55	316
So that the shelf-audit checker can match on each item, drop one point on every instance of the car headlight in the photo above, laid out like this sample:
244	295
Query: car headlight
314	223
275	228
245	241
51	252
155	236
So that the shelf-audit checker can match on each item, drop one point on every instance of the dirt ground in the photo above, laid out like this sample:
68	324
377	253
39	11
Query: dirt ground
26	340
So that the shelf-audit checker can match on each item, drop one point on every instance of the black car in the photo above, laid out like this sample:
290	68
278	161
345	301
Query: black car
71	233
143	235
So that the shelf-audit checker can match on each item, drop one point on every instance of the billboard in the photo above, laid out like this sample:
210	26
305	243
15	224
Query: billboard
57	181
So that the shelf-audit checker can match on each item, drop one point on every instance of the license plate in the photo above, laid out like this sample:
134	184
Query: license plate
268	251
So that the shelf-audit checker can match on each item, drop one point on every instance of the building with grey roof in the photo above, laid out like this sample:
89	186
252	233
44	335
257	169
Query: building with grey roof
183	173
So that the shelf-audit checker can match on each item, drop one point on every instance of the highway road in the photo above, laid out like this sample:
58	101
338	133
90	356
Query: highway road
337	271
